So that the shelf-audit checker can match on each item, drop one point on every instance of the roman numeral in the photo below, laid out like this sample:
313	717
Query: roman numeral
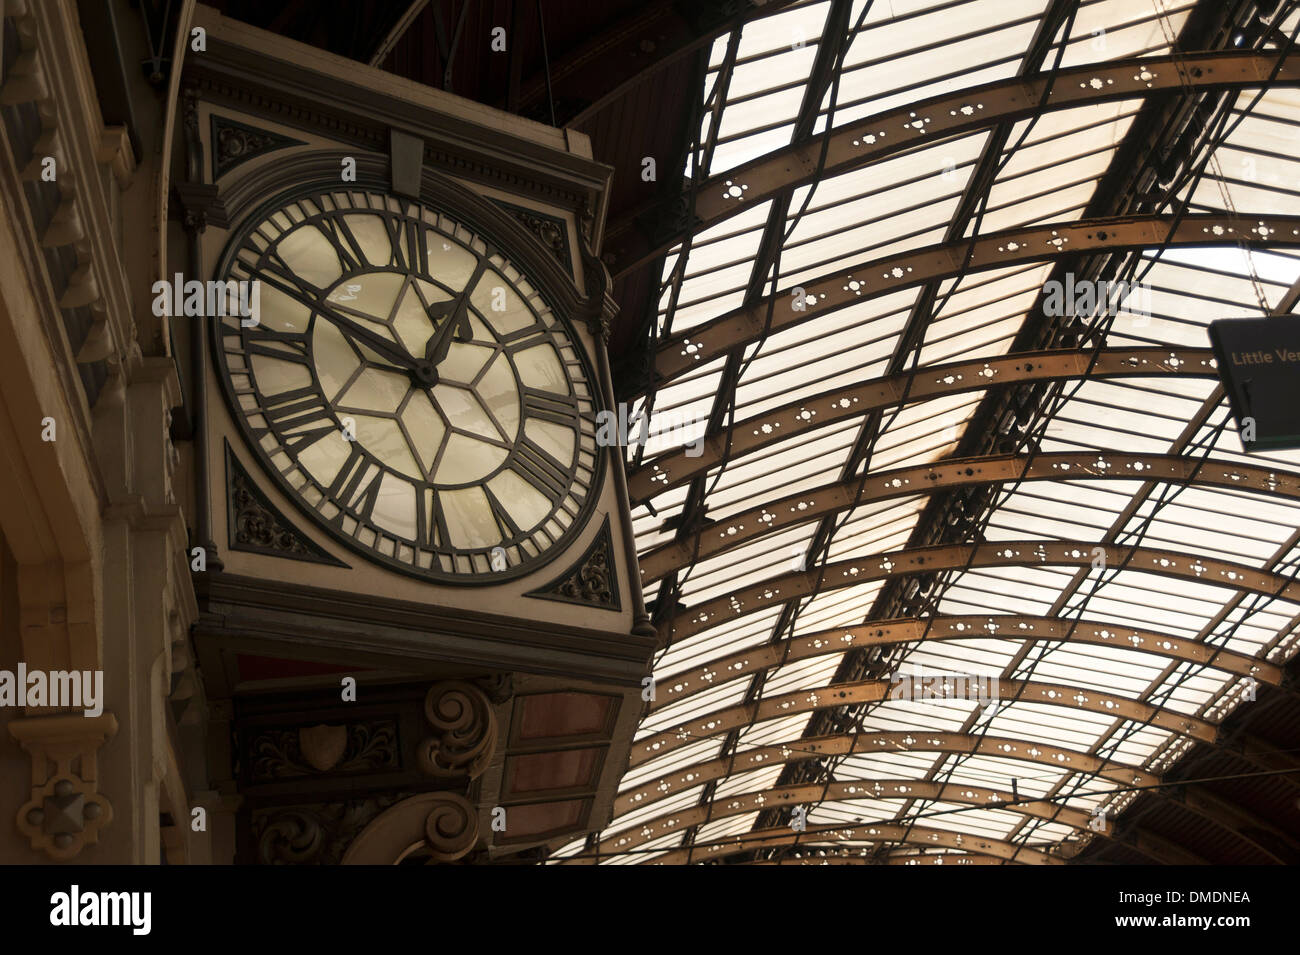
560	409
279	276
348	488
430	522
401	237
261	340
539	469
506	525
525	338
345	244
300	417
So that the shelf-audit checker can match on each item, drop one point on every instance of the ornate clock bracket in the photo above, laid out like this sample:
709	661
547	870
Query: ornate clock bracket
600	309
438	826
600	306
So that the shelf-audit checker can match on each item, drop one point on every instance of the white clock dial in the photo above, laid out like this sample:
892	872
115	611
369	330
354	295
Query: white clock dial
409	387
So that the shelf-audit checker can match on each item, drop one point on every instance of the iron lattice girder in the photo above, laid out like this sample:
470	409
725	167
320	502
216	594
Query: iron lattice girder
905	741
813	699
873	833
848	791
886	633
1019	553
934	381
928	121
997	250
771	517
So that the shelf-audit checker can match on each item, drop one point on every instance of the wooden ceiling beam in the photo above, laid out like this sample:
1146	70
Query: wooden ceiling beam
631	51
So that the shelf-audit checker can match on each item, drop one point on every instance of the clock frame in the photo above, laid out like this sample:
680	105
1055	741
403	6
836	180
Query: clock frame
345	508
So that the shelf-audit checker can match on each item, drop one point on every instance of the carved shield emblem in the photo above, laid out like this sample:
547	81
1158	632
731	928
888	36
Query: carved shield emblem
322	746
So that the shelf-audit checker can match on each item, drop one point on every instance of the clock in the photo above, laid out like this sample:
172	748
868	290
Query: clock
408	386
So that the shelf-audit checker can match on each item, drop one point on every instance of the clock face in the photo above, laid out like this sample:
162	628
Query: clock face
409	387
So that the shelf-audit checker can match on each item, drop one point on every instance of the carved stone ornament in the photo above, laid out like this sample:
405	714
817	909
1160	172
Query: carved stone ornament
465	728
600	306
234	143
322	746
550	231
316	834
65	812
364	746
592	581
256	525
438	826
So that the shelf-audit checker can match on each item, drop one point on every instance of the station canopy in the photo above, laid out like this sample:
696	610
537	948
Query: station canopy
895	453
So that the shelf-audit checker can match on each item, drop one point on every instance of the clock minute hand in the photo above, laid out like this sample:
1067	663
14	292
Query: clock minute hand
381	346
276	275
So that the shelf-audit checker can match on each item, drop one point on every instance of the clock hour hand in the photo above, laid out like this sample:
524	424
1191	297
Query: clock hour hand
455	324
455	319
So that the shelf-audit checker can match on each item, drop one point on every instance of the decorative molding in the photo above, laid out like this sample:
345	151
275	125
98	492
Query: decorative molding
65	811
354	132
293	618
600	306
439	826
367	746
592	581
551	231
234	143
315	834
256	525
466	730
499	687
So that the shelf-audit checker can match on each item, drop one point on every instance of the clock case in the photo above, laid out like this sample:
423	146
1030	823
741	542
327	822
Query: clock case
285	608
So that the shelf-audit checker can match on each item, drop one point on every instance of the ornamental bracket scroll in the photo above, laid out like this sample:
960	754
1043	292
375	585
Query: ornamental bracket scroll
465	731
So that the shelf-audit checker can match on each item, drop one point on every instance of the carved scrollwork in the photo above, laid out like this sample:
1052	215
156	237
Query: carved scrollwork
600	305
316	834
257	526
429	828
451	828
234	143
291	838
465	730
591	581
366	746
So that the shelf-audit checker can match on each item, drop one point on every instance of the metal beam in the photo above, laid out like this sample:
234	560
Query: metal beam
717	722
925	122
997	250
399	28
1021	553
934	381
905	741
849	791
773	516
884	633
874	833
